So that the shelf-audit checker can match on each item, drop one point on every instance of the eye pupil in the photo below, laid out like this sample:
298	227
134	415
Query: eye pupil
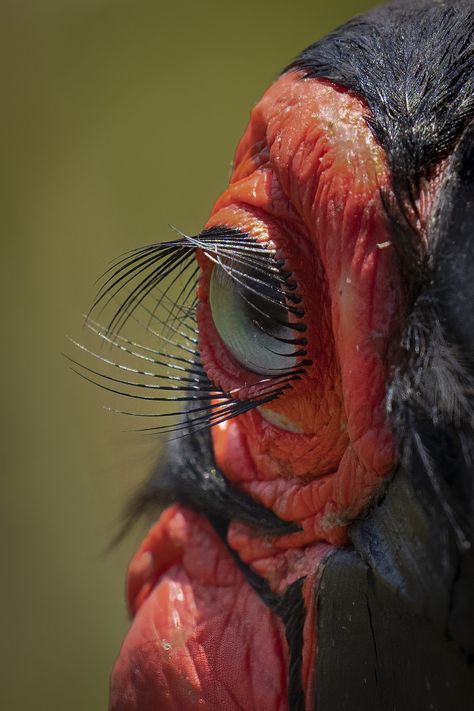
252	318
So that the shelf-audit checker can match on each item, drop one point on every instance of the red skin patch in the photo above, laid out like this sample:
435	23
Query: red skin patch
307	178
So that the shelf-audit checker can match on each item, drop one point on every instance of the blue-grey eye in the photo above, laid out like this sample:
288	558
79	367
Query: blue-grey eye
251	317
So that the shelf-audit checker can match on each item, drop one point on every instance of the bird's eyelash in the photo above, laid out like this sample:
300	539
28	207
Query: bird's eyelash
152	291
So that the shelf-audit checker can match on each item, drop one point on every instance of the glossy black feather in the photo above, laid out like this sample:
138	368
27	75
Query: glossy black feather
413	65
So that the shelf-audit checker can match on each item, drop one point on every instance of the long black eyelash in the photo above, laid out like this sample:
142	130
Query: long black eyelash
152	291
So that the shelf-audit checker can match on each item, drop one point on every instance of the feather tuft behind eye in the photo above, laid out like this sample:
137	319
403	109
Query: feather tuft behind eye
144	317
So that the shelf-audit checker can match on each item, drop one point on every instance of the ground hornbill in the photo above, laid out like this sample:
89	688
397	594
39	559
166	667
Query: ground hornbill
315	544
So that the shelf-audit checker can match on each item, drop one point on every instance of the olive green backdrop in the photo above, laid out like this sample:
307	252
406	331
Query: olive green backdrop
117	118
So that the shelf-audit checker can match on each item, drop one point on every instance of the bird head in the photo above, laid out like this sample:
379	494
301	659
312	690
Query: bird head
315	543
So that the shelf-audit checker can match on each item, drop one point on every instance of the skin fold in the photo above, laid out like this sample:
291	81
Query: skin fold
308	179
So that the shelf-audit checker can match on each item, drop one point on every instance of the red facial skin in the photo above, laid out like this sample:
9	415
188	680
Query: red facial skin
307	177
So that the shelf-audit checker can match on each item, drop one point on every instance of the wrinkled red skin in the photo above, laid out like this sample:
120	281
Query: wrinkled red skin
307	178
201	637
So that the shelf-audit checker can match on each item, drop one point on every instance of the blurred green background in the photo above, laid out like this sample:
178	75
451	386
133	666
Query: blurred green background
118	117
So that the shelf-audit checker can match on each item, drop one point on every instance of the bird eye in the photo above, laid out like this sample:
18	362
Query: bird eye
250	314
